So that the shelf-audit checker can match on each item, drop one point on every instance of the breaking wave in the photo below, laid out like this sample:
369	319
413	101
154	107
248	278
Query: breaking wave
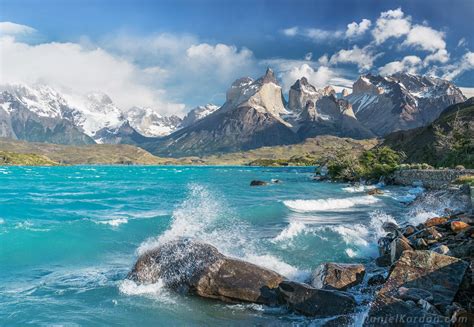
329	204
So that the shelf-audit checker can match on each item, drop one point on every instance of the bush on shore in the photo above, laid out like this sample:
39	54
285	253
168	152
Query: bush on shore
371	165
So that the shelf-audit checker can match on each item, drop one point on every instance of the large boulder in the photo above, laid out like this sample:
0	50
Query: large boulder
420	271
198	268
337	276
315	302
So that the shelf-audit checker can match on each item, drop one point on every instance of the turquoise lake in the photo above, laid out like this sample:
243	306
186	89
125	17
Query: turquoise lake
70	235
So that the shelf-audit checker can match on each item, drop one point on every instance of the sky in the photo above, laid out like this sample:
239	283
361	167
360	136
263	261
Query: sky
174	55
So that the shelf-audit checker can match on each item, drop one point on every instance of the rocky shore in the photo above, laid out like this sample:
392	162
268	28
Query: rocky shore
422	277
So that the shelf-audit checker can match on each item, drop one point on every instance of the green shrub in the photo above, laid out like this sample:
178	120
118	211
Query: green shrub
370	165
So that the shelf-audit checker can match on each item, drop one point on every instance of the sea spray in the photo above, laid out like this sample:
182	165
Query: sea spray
205	217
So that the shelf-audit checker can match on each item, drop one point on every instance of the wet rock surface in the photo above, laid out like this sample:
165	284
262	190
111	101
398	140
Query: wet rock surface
192	267
337	276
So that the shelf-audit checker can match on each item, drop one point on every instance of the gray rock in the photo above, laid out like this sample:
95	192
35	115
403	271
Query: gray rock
315	302
258	183
337	276
398	246
378	279
389	227
414	294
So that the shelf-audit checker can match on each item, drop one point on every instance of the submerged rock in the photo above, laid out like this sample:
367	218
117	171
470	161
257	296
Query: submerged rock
375	191
258	183
337	276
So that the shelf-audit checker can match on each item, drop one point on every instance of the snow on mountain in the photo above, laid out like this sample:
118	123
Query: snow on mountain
198	113
40	99
401	101
97	111
150	123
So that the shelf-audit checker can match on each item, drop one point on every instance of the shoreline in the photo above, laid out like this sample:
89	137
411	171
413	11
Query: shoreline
408	278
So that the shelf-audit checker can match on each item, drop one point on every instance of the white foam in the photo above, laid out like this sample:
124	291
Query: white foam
275	264
329	204
291	231
205	217
362	239
156	290
2	221
358	188
112	222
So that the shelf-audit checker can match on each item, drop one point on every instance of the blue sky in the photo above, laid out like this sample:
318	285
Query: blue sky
173	55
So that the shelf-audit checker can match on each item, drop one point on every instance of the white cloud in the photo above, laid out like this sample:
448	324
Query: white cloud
362	57
391	23
308	56
354	29
74	69
9	28
462	42
465	64
318	35
441	56
224	60
409	64
425	38
160	71
292	31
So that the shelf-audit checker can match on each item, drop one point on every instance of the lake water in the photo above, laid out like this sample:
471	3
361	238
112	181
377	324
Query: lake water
69	236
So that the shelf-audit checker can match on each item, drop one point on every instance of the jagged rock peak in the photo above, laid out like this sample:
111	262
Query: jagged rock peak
302	84
269	77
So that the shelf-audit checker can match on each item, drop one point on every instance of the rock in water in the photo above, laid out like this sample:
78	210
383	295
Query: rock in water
315	302
258	183
338	276
438	274
198	268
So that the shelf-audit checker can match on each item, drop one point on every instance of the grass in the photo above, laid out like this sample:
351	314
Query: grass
24	159
465	179
305	153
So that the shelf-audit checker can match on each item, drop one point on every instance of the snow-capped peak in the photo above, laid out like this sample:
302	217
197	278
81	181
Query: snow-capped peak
40	99
150	123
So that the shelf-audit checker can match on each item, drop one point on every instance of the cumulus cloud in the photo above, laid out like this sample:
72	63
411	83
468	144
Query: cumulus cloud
466	63
425	38
74	69
357	29
308	56
391	23
441	56
12	29
409	64
319	77
160	71
363	57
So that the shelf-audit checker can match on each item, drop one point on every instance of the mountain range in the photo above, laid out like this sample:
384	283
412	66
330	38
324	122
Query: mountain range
255	114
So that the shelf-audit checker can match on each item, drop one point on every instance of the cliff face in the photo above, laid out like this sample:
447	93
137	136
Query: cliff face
401	101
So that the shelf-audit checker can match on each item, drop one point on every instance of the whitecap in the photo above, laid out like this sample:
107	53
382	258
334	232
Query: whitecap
358	188
271	262
329	204
112	222
291	231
